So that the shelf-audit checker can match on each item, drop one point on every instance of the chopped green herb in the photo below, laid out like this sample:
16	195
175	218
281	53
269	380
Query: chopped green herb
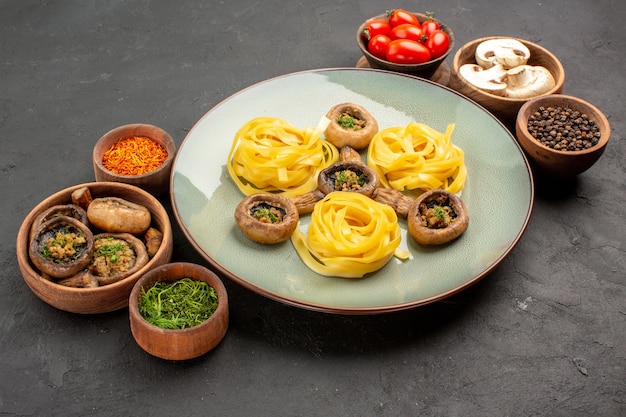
64	246
348	180
342	177
111	250
439	212
266	214
346	122
178	304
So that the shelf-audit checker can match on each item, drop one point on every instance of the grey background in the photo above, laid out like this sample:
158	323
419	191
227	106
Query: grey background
543	335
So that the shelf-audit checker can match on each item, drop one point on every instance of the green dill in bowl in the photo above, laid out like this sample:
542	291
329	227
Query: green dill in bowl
179	304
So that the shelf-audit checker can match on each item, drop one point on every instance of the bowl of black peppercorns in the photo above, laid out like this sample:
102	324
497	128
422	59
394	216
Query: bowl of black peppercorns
562	135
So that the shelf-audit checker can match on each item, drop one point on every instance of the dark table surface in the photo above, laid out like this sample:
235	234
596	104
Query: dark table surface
543	334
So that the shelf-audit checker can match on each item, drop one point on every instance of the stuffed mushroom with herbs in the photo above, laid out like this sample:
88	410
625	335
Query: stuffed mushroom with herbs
69	210
116	256
267	218
437	217
348	176
350	125
61	247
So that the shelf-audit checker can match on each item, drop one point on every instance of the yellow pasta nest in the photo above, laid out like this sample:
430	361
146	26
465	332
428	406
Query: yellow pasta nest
271	155
417	157
349	235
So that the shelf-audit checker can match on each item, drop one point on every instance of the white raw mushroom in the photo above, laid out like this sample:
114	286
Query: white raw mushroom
527	81
505	51
489	80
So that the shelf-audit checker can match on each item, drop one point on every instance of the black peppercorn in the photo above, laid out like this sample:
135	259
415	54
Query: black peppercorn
563	128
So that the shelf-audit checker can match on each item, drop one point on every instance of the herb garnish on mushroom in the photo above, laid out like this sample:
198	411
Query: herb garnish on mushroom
267	218
437	217
350	125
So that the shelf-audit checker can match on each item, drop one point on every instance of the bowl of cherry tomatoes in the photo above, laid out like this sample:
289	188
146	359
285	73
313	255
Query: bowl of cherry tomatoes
406	42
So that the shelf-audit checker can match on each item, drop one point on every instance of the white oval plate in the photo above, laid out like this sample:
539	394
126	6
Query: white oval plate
499	192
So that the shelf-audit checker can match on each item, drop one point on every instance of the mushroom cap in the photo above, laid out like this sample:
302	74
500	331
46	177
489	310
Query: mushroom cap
70	210
526	81
489	80
263	232
327	177
136	245
505	51
425	235
47	230
355	138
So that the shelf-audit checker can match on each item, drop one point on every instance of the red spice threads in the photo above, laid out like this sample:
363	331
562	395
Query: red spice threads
136	155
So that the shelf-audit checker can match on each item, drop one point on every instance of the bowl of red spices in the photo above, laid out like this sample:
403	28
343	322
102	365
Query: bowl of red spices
178	311
136	154
562	135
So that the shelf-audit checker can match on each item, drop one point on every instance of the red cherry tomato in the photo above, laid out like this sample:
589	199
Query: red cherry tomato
429	27
377	46
376	27
407	51
438	43
400	16
406	31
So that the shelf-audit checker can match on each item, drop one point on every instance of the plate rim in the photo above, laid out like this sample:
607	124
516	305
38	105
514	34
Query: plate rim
325	308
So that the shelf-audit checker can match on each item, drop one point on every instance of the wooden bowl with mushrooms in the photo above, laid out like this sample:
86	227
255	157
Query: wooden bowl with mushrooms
136	154
118	256
197	319
502	73
562	135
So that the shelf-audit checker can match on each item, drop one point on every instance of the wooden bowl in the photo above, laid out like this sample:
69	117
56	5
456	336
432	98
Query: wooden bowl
155	182
108	297
425	70
557	163
186	343
503	108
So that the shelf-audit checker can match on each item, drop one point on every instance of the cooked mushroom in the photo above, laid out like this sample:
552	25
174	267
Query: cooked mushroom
116	215
305	203
437	217
526	81
489	80
116	256
332	179
267	218
346	153
153	239
504	51
70	210
397	200
350	125
348	176
82	197
84	279
61	247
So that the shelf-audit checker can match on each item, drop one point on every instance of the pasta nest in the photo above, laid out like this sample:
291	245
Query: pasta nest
417	157
349	236
271	155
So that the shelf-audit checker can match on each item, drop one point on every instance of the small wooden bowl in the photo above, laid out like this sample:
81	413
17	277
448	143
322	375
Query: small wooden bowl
186	343
425	70
108	297
155	182
556	163
503	108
